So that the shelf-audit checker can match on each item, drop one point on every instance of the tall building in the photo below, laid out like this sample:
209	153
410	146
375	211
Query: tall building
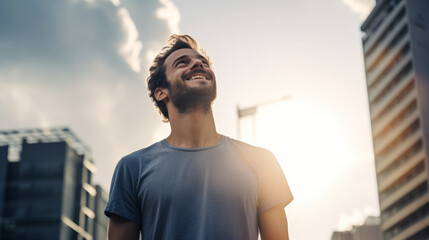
369	230
396	51
46	189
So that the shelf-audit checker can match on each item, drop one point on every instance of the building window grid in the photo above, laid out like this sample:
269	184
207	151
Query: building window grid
413	128
419	168
15	137
404	114
407	222
404	158
379	19
382	98
12	190
423	211
423	234
406	200
87	201
400	116
392	64
401	75
401	34
388	29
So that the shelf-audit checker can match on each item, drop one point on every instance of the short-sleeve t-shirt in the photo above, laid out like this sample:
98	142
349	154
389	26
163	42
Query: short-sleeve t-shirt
214	192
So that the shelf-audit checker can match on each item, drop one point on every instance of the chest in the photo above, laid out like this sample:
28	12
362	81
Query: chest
198	180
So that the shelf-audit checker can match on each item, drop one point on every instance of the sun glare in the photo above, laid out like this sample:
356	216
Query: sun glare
309	141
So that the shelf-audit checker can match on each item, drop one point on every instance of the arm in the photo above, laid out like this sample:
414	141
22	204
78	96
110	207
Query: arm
273	224
122	229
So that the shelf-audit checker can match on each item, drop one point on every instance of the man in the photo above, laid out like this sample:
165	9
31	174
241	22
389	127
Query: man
196	183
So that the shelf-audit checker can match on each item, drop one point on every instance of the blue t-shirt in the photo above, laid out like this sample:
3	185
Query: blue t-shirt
212	192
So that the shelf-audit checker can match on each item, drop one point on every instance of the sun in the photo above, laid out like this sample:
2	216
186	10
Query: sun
308	139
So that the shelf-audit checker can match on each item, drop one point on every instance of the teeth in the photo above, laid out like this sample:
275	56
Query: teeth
197	76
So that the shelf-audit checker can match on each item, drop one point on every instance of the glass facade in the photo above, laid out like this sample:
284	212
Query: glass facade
46	193
398	94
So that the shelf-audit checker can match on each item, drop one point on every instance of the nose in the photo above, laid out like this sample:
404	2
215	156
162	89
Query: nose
196	63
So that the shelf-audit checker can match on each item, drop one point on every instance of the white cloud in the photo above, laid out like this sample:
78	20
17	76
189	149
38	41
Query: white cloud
116	2
92	2
151	54
361	7
105	98
170	13
357	217
21	99
131	47
152	51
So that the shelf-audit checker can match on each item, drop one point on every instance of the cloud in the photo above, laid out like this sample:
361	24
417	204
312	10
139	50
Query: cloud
170	13
92	2
107	109
19	97
116	2
361	7
357	217
151	54
131	47
105	100
67	36
73	63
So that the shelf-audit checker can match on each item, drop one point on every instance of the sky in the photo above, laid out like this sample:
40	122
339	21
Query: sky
84	63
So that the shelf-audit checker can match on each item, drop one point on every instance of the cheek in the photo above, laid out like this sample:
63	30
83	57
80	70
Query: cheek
211	72
214	76
179	74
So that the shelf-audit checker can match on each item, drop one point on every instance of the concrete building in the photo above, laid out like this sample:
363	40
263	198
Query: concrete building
370	230
342	235
396	52
45	187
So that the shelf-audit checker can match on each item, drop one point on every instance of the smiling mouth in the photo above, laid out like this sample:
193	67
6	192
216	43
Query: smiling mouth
198	76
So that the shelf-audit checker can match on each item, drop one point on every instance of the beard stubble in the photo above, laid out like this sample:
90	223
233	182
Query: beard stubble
187	99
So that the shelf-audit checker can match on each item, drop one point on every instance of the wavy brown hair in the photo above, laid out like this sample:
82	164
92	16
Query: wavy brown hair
157	78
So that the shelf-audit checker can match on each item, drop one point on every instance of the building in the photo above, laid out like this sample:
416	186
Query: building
369	230
342	235
45	187
396	52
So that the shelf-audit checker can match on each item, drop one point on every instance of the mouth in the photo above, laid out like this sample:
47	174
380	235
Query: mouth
197	75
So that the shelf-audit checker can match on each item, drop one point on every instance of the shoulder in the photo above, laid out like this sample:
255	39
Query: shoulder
250	150
140	156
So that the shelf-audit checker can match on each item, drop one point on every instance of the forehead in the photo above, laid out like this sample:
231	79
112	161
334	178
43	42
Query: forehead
179	53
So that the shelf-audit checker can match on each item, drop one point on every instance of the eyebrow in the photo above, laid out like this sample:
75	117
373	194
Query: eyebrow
186	56
179	58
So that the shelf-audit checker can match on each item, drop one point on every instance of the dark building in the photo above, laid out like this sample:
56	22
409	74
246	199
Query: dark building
101	221
396	53
46	189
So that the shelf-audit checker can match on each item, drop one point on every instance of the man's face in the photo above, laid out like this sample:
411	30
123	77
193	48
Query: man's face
192	82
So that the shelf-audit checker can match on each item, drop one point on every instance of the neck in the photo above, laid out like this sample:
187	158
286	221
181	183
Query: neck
192	130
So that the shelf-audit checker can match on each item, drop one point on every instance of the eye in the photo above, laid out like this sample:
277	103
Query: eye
205	62
181	63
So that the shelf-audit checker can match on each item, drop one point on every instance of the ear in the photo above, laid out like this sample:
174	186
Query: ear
160	94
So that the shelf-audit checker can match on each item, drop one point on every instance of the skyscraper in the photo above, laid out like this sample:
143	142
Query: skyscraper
396	51
46	189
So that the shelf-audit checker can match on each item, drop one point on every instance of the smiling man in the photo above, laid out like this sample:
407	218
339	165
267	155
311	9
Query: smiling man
196	183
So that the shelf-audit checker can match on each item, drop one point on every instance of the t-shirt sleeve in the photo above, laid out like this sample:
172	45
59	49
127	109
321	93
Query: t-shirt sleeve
123	197
274	188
